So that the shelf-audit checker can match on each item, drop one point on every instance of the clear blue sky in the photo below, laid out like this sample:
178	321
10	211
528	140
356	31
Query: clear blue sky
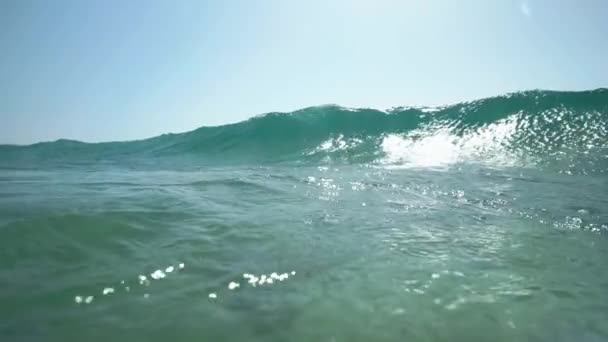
129	69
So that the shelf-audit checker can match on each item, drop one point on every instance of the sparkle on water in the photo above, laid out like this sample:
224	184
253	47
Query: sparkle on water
142	280
252	280
483	221
107	290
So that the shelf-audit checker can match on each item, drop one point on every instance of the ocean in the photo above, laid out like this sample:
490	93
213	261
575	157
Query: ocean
479	221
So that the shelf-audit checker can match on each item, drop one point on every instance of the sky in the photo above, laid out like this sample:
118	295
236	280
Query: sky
121	70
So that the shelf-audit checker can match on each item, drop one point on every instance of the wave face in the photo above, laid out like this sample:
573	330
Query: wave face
567	130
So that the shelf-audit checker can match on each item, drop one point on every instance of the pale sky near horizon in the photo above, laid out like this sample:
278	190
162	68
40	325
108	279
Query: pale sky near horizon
121	70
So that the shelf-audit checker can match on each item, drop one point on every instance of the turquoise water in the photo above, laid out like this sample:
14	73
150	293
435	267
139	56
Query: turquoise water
480	221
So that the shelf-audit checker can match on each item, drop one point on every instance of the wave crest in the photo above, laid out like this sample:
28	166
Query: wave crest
568	129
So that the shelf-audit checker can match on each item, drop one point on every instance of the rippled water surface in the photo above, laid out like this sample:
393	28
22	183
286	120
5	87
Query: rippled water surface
363	252
480	221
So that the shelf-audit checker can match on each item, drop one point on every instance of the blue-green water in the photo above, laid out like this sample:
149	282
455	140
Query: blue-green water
480	221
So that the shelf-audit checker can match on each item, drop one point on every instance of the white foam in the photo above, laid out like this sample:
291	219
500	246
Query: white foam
107	291
440	146
339	143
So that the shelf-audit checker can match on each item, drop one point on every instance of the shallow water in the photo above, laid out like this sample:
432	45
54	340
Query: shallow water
464	253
